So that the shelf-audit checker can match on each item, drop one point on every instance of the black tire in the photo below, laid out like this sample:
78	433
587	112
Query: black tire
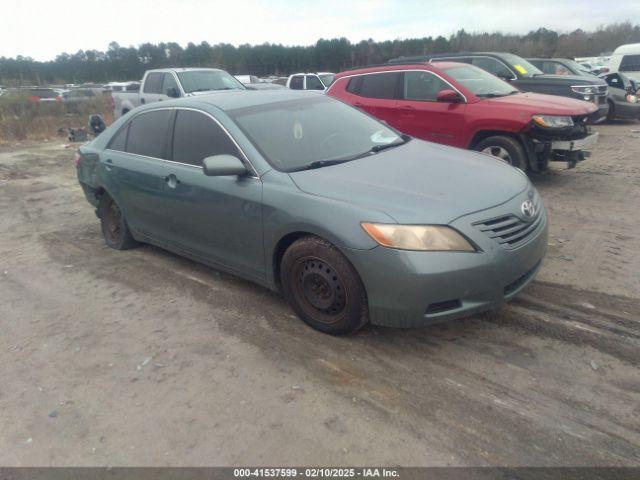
611	114
517	157
322	287
115	231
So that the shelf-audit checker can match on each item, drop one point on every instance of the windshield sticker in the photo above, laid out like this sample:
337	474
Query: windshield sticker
297	130
520	69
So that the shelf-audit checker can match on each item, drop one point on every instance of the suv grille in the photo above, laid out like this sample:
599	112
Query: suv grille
602	90
511	231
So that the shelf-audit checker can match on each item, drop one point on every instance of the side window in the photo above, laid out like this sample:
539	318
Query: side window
548	67
296	82
354	85
119	140
379	85
630	63
314	83
169	82
196	137
148	133
493	66
423	86
153	83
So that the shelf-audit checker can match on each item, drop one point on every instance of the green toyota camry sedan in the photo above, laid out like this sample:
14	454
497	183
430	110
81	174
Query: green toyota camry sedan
352	221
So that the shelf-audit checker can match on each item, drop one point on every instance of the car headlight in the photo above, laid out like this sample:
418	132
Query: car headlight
585	89
418	237
632	98
553	121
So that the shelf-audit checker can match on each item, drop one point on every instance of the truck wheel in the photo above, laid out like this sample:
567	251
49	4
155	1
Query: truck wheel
505	148
114	227
611	114
322	287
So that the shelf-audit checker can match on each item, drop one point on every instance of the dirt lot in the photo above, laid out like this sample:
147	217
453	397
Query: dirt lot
144	358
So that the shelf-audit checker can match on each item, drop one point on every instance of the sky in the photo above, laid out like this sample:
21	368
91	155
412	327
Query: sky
43	29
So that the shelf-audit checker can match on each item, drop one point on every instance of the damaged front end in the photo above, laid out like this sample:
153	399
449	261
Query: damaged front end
558	139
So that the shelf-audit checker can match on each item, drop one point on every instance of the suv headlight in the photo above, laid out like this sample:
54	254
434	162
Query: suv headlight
418	237
631	98
585	89
553	121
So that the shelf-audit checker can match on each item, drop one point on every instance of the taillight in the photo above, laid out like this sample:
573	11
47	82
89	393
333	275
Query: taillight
113	103
58	99
76	159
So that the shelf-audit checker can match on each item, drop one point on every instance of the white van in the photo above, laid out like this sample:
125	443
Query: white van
626	59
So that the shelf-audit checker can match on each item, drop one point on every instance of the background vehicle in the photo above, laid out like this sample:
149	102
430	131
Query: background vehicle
527	78
122	87
626	59
464	106
162	84
37	95
621	98
310	81
305	194
247	79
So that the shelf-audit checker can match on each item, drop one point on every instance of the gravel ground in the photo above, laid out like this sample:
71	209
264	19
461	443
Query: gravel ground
145	358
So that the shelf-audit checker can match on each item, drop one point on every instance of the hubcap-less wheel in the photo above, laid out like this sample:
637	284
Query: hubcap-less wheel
499	152
320	290
114	222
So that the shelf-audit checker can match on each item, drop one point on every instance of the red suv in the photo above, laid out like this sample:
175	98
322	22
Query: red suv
461	105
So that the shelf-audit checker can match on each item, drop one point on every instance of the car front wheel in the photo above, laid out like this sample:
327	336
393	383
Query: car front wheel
322	287
505	148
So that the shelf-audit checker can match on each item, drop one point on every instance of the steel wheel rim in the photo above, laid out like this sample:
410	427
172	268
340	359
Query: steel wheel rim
498	152
319	290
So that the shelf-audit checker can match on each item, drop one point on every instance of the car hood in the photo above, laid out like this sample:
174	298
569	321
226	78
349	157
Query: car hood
539	103
419	182
563	80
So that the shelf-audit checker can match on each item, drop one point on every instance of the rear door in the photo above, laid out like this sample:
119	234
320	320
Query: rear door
216	218
135	167
152	88
422	116
376	93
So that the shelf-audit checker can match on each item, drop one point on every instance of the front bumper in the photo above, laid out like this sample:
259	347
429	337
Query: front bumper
599	115
626	111
572	145
408	288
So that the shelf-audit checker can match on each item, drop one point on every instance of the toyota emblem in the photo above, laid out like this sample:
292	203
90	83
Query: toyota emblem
528	209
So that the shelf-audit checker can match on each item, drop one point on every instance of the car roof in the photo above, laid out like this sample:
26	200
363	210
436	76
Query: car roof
230	100
629	48
390	67
178	70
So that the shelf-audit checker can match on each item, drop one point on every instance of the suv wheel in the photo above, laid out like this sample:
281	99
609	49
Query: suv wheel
115	231
323	287
505	148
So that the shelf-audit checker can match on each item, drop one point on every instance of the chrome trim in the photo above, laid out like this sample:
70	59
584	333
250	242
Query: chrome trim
399	71
254	172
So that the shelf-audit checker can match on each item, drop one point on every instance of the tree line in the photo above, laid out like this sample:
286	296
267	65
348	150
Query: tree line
120	63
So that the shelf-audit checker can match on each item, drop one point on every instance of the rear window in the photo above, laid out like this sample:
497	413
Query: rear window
379	85
630	63
153	83
148	133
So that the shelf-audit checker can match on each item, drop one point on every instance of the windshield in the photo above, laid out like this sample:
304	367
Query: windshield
294	134
578	68
480	82
520	65
206	80
327	79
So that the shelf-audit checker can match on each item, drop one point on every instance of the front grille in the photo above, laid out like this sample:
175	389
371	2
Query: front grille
602	90
511	231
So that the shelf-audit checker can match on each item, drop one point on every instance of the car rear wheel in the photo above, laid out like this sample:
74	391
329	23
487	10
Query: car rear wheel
322	287
505	148
115	231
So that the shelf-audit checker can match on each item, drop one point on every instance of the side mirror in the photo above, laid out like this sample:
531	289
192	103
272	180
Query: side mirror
448	96
223	166
173	92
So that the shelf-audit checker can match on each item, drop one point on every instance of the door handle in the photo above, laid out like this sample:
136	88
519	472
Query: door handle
108	163
142	100
171	181
407	111
358	105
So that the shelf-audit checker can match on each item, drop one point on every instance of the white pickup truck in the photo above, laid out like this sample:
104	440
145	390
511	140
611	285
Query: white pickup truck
165	83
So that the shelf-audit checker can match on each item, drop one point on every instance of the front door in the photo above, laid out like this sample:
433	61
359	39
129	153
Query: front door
217	218
422	116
